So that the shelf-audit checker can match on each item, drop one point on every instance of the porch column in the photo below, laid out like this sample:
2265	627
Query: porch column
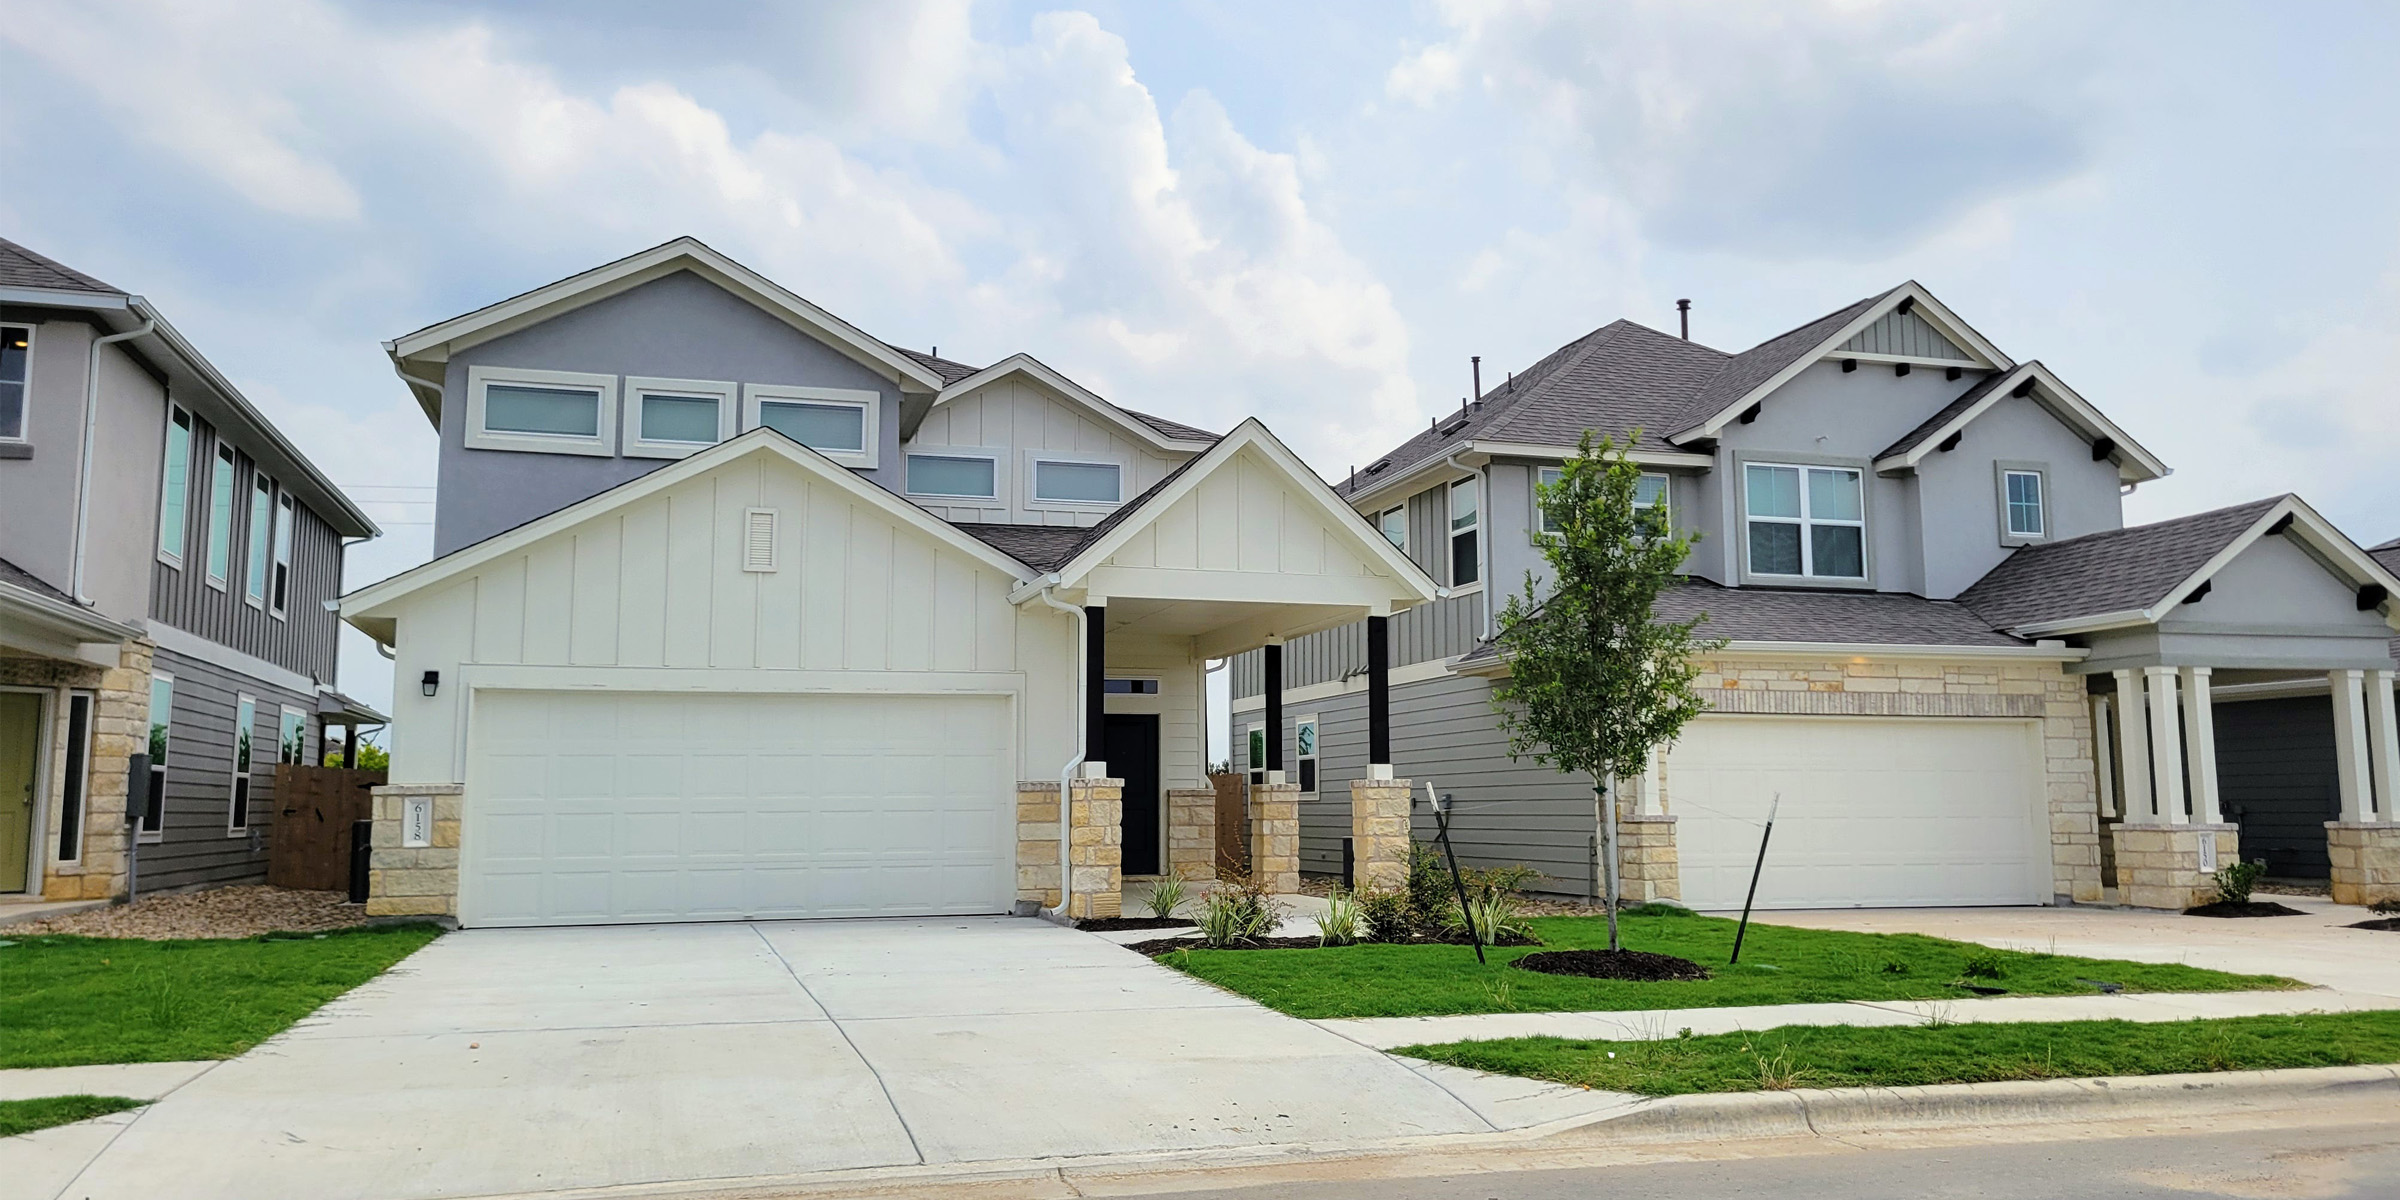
2200	735
2383	750
2166	747
1095	690
2350	754
1271	655
2101	757
2133	742
1379	698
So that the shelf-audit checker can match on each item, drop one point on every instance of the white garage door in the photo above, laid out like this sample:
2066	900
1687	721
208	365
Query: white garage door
1875	812
587	807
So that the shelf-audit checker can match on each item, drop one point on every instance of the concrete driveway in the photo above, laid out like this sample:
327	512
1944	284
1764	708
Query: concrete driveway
503	1061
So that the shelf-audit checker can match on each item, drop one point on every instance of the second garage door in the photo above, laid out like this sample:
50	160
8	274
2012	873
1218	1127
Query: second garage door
1875	812
591	807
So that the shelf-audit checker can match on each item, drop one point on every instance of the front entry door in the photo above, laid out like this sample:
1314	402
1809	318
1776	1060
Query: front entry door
1133	757
20	746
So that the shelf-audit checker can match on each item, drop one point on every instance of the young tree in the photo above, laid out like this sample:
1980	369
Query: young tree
1595	683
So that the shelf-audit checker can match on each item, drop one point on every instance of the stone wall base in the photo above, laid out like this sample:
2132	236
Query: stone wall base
1037	842
2161	866
1192	833
414	881
1379	834
120	729
1275	837
1647	866
2366	861
1095	848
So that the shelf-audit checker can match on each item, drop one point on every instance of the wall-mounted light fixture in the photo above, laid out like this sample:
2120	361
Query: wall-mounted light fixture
431	683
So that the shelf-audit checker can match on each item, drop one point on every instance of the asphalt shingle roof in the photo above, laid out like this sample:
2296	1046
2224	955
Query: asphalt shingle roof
952	372
1042	547
20	267
1759	363
2116	571
11	573
2388	554
1933	424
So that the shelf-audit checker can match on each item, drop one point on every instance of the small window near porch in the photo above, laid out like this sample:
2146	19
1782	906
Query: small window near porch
1132	687
1258	755
237	817
1304	742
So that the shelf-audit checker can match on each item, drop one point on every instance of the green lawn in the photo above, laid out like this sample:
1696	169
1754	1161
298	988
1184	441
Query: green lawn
25	1116
1780	965
67	1001
1850	1056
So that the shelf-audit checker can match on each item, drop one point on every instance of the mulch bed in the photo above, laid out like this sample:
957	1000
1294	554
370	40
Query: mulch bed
1117	924
2383	924
1635	965
1158	946
2249	908
238	911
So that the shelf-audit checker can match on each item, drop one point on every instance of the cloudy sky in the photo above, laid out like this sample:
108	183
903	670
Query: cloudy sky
1311	212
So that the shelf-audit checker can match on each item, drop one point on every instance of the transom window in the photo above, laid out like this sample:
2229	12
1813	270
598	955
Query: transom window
839	423
2022	498
16	364
1649	497
547	412
1077	482
672	418
1394	523
1131	687
544	411
964	475
1465	520
1805	521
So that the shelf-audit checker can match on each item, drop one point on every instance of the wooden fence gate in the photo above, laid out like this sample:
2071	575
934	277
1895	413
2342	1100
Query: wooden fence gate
314	809
1233	824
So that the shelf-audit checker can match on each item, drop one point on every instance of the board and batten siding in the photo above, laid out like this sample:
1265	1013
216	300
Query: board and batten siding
659	582
1013	421
1440	630
195	850
1905	334
305	638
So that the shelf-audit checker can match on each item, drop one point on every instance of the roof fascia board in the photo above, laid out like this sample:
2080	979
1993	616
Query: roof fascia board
41	297
2095	623
1252	433
1870	651
2060	397
1425	465
1647	458
58	616
1914	360
1035	369
364	604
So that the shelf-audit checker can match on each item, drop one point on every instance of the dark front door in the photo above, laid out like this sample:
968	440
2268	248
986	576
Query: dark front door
1133	757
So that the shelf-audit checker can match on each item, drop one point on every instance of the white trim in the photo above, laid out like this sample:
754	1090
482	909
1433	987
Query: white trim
1805	522
283	711
365	604
24	434
2063	402
994	498
1859	651
1040	372
638	444
1451	532
227	461
1837	354
1035	460
1647	458
158	770
237	800
193	646
1308	787
2010	535
602	443
755	396
252	549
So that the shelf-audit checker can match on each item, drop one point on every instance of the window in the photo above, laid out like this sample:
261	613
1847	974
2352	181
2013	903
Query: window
237	817
162	715
1649	498
543	412
282	592
16	362
1304	743
175	485
839	423
672	418
1132	687
1258	755
1465	565
291	741
262	510
220	517
2021	504
76	780
1805	521
1394	523
953	475
1076	482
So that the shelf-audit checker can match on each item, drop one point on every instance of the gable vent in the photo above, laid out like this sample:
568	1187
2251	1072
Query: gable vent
758	539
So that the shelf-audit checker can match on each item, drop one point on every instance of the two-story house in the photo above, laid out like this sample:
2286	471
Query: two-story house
166	558
1958	673
740	611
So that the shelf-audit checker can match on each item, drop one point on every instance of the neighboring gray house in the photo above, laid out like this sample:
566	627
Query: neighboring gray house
1915	545
165	563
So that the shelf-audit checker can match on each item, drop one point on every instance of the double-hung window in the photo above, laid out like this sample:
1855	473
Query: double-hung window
162	720
279	590
839	423
1258	755
262	511
237	814
673	418
1304	747
16	365
220	517
291	737
1649	499
1466	562
1807	522
175	486
2023	513
1057	481
954	476
1394	523
541	412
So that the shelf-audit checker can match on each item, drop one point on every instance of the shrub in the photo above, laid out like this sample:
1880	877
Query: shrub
1429	890
2389	908
1237	911
1498	916
1511	878
1338	924
2235	879
1384	916
1985	964
1166	896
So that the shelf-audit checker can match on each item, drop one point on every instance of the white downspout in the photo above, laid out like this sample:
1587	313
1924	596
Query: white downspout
91	429
1066	774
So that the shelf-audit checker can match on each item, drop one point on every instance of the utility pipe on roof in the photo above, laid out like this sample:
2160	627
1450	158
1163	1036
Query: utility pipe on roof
91	429
1066	774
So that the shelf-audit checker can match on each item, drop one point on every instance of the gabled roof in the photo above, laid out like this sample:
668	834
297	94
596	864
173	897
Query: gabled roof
15	576
2133	576
2035	382
1158	431
2387	553
20	267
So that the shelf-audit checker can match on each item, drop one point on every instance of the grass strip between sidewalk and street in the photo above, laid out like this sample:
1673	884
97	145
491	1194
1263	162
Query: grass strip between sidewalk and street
1839	1056
71	1001
1780	965
25	1116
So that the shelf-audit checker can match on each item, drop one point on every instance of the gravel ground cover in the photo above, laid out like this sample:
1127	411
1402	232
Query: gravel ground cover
241	911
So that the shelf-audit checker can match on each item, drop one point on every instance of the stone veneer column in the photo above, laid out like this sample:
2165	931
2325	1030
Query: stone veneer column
1647	865
1275	836
1095	848
2163	866
2366	860
1379	834
1037	843
1192	833
414	881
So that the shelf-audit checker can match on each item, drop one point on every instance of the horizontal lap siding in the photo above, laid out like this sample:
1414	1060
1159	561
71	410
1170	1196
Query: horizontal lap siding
2275	778
305	638
196	850
1443	629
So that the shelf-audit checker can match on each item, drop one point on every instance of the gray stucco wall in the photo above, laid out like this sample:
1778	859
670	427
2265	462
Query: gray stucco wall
1959	492
37	492
2273	607
677	327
